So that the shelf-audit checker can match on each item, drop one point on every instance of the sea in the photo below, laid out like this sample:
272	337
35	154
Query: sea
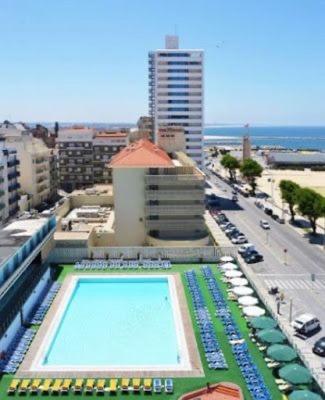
286	137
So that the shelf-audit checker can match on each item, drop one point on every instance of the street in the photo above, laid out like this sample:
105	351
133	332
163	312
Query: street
290	262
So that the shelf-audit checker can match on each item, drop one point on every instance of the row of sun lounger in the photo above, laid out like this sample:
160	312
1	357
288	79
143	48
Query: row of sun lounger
89	386
250	371
16	351
120	264
213	353
38	313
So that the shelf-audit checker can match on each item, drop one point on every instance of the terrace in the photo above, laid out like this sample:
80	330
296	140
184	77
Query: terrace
228	372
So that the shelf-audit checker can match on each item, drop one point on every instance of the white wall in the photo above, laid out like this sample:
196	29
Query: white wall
129	201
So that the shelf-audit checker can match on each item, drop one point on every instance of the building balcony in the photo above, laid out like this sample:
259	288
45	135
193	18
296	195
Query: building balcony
195	209
2	206
13	175
42	188
40	161
41	179
175	224
164	179
2	192
13	186
13	211
14	199
174	194
12	163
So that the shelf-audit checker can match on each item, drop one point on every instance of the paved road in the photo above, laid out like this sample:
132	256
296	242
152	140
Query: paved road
291	272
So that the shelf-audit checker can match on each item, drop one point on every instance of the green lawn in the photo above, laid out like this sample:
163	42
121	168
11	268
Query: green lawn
183	385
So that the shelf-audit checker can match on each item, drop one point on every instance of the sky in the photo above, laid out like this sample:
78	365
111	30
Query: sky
86	60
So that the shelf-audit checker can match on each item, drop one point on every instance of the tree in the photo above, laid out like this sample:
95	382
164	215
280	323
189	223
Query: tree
289	191
231	164
311	205
250	170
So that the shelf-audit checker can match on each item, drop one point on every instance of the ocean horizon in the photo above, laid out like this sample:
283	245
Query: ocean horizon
287	137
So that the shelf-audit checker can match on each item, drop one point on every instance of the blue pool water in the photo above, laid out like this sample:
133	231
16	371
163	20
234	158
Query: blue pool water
116	321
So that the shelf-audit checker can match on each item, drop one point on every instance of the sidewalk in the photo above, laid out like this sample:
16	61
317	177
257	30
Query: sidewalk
313	364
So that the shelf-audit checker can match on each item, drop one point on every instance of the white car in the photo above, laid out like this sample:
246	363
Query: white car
246	247
239	240
306	323
264	224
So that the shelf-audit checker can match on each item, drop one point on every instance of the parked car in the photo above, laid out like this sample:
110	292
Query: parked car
306	324
319	347
254	258
239	239
226	225
235	234
232	232
169	386
264	224
268	210
281	220
246	247
234	198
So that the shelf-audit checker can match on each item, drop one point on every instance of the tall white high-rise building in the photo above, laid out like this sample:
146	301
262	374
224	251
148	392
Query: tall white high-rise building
176	93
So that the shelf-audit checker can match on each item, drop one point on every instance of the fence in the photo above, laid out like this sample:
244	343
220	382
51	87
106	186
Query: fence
174	254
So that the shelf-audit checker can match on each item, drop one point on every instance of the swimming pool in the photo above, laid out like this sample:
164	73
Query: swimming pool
115	323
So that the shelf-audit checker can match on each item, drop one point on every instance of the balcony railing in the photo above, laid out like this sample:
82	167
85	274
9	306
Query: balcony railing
175	210
14	199
14	186
173	179
173	224
174	194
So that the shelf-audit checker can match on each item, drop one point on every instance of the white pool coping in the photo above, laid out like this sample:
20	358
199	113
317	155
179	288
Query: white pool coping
190	363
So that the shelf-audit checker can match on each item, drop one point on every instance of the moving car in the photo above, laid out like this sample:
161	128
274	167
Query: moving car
264	224
306	324
239	239
319	347
254	258
246	248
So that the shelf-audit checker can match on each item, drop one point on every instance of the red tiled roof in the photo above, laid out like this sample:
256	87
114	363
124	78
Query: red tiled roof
142	153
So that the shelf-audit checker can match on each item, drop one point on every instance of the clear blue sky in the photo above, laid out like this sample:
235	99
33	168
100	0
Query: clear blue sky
86	60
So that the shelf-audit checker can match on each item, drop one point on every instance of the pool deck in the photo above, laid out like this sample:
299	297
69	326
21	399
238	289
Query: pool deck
27	370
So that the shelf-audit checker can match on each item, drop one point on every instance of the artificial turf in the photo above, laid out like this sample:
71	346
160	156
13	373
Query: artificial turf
184	385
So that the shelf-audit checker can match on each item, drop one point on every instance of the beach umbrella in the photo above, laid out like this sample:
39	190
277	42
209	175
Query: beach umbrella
304	395
271	336
263	323
248	301
225	259
229	266
242	290
281	352
253	311
239	282
295	374
233	274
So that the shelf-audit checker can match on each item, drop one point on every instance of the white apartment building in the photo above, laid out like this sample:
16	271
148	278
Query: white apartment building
34	159
9	186
176	93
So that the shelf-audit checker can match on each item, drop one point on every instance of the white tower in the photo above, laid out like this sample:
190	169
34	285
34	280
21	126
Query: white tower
176	93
